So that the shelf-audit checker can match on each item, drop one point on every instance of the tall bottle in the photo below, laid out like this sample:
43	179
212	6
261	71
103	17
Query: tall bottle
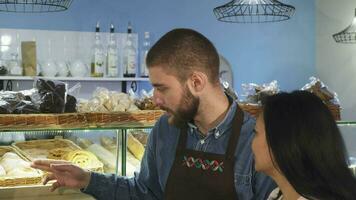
129	55
112	55
145	48
98	59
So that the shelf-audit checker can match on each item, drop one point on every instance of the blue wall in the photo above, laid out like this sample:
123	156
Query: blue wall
259	53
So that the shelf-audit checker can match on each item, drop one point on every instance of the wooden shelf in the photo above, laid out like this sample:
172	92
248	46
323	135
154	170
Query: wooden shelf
30	78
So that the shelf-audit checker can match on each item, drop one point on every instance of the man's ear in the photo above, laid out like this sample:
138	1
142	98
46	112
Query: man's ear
197	82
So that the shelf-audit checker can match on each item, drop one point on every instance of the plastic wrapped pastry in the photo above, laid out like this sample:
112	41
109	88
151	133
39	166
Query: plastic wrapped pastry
10	164
102	94
22	172
10	155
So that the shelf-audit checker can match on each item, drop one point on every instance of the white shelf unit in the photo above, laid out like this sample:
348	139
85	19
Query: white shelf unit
30	78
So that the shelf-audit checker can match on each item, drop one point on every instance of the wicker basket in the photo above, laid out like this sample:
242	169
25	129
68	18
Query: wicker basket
40	149
137	118
41	121
254	109
10	181
78	120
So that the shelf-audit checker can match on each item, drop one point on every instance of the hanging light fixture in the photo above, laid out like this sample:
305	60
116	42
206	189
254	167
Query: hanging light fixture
348	35
34	6
253	11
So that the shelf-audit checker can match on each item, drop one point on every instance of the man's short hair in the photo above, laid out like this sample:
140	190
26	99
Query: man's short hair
182	51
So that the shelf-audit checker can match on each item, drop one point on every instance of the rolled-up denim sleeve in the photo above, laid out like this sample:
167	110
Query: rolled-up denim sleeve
144	185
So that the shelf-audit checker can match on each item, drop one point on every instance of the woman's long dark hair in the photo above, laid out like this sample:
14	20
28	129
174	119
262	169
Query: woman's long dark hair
307	146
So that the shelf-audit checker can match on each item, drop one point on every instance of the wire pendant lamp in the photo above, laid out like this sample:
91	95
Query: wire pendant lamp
348	35
34	6
253	11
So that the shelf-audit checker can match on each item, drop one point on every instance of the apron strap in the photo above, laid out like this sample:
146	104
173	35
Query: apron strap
236	130
182	142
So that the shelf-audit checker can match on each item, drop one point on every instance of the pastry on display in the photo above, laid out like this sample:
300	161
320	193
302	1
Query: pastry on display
58	153
146	104
13	165
10	155
132	164
83	142
140	136
135	146
22	172
105	156
104	100
2	171
82	158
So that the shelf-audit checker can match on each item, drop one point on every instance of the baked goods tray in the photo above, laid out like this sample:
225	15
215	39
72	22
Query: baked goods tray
57	149
11	181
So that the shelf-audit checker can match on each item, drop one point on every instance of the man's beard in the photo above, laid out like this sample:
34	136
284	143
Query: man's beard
186	111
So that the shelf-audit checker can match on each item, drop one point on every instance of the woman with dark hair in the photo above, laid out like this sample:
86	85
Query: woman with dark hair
299	145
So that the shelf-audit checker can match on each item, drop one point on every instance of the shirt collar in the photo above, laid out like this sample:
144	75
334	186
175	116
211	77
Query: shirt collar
223	126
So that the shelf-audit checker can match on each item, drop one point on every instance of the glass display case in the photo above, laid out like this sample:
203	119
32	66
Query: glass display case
119	149
348	130
104	147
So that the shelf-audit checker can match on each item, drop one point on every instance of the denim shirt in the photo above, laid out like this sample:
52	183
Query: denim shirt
150	182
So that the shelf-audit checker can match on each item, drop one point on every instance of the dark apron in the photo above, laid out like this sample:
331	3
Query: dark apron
199	175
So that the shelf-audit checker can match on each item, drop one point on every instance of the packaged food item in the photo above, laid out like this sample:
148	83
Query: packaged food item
104	100
145	102
26	107
317	87
5	107
53	95
255	93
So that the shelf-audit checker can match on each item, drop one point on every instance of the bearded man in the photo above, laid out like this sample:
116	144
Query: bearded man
201	147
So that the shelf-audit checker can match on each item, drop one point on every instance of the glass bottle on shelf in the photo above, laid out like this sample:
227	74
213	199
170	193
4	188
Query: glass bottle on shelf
97	64
129	55
145	48
49	67
62	64
14	64
112	54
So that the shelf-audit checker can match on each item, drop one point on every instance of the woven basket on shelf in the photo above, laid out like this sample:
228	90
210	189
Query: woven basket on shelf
10	181
40	149
78	120
254	109
136	118
41	121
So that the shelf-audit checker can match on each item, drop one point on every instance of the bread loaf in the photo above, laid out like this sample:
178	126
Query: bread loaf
105	156
135	147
